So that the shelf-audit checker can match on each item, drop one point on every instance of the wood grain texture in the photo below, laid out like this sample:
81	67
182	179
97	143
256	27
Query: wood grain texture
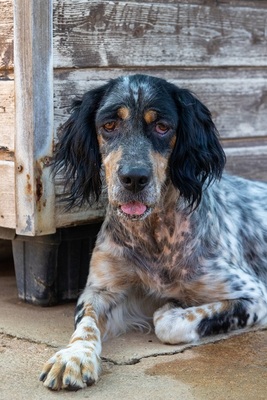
6	34
248	162
237	98
7	198
76	216
7	115
34	117
161	33
212	3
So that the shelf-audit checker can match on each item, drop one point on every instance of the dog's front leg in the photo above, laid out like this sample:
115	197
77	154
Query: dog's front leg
78	365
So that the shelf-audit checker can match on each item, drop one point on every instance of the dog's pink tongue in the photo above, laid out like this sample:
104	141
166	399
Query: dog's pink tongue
134	208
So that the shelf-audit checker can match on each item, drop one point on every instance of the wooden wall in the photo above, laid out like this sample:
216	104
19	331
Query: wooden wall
216	48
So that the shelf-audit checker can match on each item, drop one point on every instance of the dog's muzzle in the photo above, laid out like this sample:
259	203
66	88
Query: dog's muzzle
134	180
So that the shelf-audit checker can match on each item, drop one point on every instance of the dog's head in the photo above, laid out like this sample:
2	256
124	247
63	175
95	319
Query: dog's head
146	132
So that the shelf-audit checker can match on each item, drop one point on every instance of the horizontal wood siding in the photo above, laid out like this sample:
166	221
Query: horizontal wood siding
249	162
94	213
237	98
160	33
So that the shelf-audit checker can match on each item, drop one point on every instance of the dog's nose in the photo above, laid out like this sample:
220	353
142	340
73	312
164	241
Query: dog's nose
135	179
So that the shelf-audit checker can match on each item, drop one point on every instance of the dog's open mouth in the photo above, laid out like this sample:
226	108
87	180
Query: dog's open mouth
134	210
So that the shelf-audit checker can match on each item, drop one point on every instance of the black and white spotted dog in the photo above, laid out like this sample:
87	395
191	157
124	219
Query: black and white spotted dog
179	246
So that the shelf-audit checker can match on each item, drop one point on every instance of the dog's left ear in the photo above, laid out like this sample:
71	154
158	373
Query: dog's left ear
197	156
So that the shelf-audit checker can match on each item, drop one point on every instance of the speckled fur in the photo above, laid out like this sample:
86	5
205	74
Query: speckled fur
196	264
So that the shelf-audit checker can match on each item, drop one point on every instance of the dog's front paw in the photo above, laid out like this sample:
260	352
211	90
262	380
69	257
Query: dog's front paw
175	325
72	368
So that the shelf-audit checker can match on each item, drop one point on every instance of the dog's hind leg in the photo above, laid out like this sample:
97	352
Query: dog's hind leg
177	325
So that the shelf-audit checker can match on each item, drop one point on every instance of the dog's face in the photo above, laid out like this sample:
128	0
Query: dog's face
147	133
136	127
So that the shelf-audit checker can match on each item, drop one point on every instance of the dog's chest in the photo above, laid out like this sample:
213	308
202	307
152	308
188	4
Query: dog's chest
159	254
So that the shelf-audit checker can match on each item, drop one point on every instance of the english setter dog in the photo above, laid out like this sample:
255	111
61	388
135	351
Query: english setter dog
182	247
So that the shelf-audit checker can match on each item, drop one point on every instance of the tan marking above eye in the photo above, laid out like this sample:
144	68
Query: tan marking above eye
150	116
123	113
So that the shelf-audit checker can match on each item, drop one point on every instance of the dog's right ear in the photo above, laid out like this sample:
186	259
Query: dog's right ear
77	153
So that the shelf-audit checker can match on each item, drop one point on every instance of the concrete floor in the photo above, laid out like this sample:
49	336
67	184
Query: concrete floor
136	366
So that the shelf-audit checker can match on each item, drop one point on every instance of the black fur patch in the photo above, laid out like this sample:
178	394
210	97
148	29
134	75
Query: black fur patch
235	317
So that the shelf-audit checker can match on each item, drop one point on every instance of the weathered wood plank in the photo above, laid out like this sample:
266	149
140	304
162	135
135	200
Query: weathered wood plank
249	162
35	203
162	33
237	98
7	198
77	215
238	3
232	3
6	34
7	115
254	141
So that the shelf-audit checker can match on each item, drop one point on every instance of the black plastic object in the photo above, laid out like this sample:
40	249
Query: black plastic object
54	268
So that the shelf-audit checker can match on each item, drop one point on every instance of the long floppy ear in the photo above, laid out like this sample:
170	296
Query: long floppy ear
77	154
197	156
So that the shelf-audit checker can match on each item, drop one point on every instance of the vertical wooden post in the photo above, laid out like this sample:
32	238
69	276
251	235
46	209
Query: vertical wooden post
33	60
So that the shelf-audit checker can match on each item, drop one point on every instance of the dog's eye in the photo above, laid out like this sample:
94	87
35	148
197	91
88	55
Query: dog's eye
162	128
110	126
